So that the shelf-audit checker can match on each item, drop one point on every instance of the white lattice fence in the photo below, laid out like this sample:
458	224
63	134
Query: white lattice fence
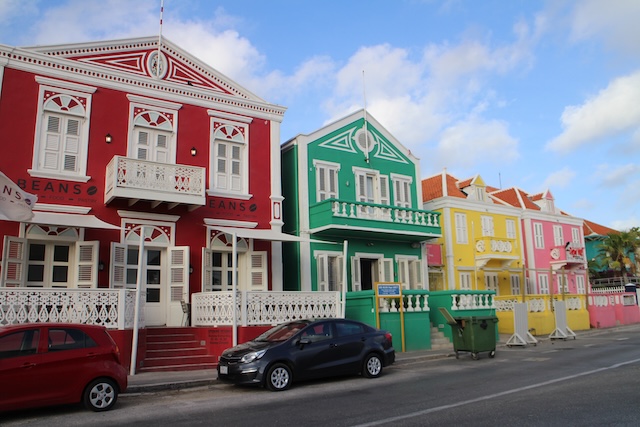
112	308
262	308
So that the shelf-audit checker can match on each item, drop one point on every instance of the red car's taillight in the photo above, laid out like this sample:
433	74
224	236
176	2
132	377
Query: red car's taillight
116	353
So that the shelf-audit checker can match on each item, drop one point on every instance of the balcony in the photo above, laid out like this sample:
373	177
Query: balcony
568	256
141	180
339	218
501	250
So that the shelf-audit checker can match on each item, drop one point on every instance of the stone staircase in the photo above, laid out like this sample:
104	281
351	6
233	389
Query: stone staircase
175	349
439	341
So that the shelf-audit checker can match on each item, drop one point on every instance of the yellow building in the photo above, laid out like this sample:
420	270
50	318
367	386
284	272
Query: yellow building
481	237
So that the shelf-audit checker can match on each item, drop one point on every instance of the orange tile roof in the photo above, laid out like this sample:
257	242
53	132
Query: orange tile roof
432	188
516	197
593	229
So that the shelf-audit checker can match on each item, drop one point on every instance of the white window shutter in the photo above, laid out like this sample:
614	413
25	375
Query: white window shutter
384	189
403	273
340	262
323	272
118	265
14	255
179	273
207	270
86	255
258	271
356	284
387	270
415	274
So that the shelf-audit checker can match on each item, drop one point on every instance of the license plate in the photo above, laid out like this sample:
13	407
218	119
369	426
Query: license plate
224	370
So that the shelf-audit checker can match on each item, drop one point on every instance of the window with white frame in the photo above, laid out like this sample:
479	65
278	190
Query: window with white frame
543	283
575	236
153	129
410	272
515	284
62	130
461	228
491	282
558	238
326	180
371	186
52	263
230	158
465	281
538	236
487	225
401	190
580	285
329	271
511	229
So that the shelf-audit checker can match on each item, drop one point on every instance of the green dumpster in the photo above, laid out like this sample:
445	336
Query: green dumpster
473	334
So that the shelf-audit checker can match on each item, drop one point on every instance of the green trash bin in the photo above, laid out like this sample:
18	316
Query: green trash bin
475	335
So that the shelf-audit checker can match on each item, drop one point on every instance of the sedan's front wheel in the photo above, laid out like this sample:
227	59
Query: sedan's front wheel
279	377
372	367
100	395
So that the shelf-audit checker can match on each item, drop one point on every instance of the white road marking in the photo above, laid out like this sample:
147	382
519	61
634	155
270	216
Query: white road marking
492	396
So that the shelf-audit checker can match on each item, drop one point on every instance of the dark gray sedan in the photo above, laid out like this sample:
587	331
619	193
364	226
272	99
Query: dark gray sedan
308	349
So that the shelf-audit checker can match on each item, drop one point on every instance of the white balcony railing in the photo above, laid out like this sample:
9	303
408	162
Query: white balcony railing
146	180
112	308
262	308
361	210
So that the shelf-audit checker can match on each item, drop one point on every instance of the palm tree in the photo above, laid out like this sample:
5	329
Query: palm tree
617	248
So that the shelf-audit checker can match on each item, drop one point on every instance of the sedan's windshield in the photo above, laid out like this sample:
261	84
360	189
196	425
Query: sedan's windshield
282	332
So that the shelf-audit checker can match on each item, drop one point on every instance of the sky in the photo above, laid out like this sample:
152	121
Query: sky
539	95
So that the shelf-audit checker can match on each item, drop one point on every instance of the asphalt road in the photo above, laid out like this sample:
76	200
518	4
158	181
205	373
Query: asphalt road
590	381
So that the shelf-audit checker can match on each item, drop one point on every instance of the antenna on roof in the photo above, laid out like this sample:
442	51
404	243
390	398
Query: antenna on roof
366	131
158	57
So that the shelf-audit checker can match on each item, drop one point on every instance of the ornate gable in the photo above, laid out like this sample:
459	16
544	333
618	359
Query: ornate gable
139	57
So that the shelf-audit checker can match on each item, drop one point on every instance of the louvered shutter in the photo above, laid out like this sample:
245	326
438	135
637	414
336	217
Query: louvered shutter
86	264
142	145
179	273
403	273
387	270
384	189
340	268
162	148
207	270
415	274
356	284
221	166
14	255
71	145
258	271
322	266
118	271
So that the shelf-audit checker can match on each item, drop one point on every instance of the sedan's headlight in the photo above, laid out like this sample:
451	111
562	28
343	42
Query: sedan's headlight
254	355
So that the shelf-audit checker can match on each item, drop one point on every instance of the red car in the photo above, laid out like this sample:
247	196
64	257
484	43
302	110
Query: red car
44	364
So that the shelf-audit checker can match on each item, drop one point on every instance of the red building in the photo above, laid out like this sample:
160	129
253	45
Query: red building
126	137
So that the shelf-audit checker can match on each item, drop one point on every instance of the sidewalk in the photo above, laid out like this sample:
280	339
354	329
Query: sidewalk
156	381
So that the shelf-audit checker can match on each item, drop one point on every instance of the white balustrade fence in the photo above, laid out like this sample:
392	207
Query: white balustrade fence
262	308
384	213
112	308
472	301
412	303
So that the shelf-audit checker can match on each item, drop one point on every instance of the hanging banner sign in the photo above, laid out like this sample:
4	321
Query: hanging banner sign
15	203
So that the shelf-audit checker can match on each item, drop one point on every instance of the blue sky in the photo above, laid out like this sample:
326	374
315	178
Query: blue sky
533	94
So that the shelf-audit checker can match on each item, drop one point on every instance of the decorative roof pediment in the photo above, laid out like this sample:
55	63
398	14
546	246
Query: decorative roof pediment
363	137
139	57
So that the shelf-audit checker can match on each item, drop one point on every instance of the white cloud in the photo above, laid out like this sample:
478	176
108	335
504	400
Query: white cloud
625	224
616	23
612	176
559	179
613	110
473	142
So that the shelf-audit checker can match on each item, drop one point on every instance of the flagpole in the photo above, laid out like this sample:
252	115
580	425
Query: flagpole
158	59
366	132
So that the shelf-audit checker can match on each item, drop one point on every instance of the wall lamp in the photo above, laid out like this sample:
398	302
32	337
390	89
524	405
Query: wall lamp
100	265
194	151
107	138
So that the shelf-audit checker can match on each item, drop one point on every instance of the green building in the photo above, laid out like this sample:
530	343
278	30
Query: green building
352	192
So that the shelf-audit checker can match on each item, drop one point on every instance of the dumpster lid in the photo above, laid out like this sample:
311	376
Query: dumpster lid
447	316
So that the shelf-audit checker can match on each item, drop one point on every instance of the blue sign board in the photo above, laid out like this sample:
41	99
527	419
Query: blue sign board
389	289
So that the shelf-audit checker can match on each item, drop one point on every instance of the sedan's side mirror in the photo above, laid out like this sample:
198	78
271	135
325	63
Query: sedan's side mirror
304	341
